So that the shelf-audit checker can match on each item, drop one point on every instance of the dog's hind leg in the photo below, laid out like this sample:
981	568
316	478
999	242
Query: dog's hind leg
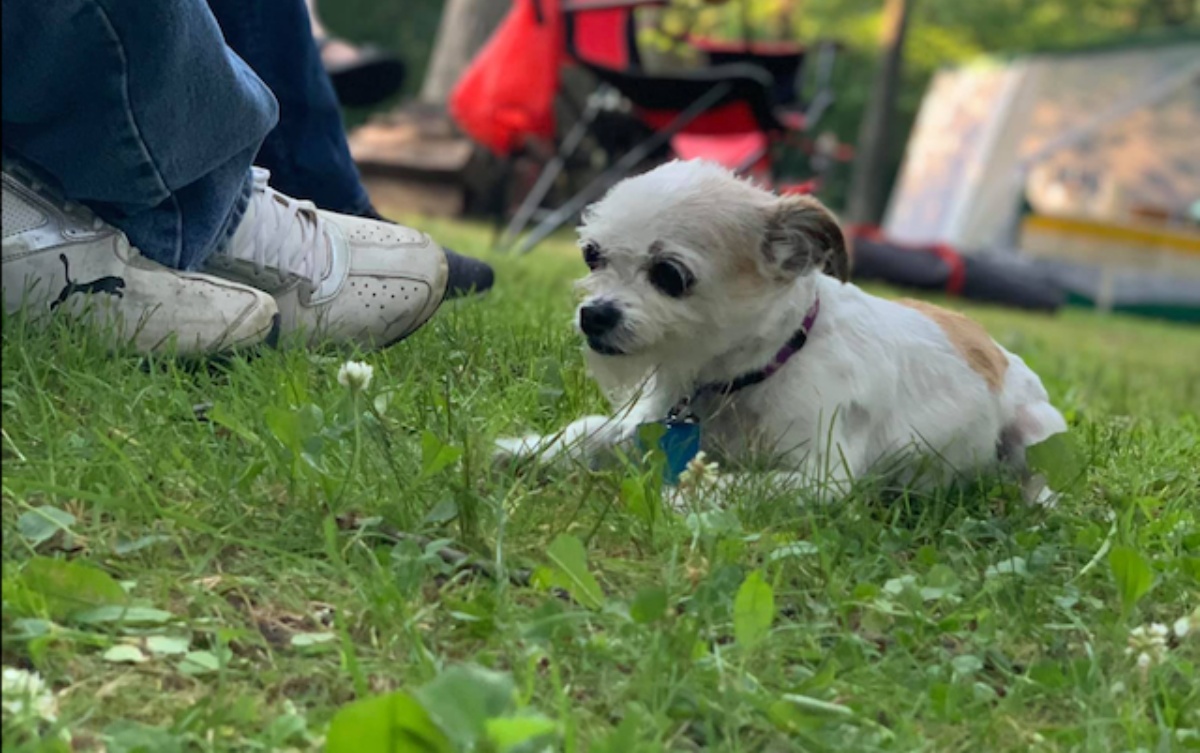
1031	419
1010	451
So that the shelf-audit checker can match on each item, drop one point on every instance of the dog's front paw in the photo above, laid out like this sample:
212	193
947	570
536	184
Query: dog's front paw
676	500
509	450
1035	490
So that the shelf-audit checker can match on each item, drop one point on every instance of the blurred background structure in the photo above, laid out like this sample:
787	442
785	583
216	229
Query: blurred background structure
1086	164
1059	129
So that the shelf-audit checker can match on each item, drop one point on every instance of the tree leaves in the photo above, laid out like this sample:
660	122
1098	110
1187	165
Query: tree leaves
1060	459
467	707
436	455
649	605
462	699
123	653
1132	573
385	724
60	589
122	614
753	610
570	562
41	523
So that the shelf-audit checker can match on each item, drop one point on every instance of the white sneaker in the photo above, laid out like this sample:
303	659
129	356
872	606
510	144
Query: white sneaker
58	256
336	278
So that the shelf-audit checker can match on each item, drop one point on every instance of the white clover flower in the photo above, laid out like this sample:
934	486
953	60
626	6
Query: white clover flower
698	472
25	694
1187	624
355	375
1149	643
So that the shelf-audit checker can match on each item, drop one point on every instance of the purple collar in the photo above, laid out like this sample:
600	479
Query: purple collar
751	378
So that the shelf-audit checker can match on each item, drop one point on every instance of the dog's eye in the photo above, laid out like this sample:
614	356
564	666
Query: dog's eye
591	256
671	278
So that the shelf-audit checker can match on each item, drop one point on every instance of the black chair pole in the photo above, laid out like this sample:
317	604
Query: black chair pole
618	170
549	173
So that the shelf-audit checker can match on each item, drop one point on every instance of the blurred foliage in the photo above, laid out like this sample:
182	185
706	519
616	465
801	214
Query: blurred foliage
943	32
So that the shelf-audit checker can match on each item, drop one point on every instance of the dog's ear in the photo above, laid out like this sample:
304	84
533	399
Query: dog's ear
803	234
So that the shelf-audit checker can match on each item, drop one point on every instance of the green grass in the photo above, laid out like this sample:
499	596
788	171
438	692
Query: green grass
962	621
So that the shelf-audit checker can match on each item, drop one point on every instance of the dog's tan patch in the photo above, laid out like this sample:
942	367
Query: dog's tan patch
970	340
746	266
744	276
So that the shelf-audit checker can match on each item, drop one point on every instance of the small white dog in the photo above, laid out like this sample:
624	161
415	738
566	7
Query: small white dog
713	301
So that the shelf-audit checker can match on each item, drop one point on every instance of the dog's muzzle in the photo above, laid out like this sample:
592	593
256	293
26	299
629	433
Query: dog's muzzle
598	321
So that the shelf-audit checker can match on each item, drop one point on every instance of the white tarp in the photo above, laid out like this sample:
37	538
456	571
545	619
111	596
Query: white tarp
1097	135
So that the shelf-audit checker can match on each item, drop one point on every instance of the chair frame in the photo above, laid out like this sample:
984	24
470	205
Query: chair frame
737	82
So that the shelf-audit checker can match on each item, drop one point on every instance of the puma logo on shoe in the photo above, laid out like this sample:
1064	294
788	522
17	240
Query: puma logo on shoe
110	285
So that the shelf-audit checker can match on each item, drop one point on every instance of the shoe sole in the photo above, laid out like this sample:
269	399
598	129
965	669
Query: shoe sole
431	308
214	362
423	319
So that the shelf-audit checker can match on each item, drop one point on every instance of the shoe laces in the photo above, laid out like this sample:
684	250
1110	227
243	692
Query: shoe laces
288	235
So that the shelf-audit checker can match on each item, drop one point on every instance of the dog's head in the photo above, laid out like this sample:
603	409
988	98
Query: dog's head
689	257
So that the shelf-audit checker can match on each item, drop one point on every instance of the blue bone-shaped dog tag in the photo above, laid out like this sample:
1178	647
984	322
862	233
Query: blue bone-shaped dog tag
680	442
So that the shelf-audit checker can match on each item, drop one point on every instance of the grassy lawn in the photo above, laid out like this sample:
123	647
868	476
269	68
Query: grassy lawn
229	582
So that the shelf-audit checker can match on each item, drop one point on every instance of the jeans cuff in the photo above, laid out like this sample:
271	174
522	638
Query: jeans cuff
362	206
235	215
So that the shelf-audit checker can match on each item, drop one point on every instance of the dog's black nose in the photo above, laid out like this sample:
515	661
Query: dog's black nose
598	319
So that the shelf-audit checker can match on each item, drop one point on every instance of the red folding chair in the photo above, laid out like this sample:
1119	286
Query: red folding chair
749	152
724	112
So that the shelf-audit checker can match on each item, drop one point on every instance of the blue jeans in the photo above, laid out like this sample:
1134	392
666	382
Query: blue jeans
141	111
306	152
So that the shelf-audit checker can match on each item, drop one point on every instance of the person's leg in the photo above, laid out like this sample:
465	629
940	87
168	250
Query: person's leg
59	258
159	137
306	153
140	110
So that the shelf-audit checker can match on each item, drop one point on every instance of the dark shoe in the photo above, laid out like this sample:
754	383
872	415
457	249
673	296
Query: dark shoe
368	78
467	276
